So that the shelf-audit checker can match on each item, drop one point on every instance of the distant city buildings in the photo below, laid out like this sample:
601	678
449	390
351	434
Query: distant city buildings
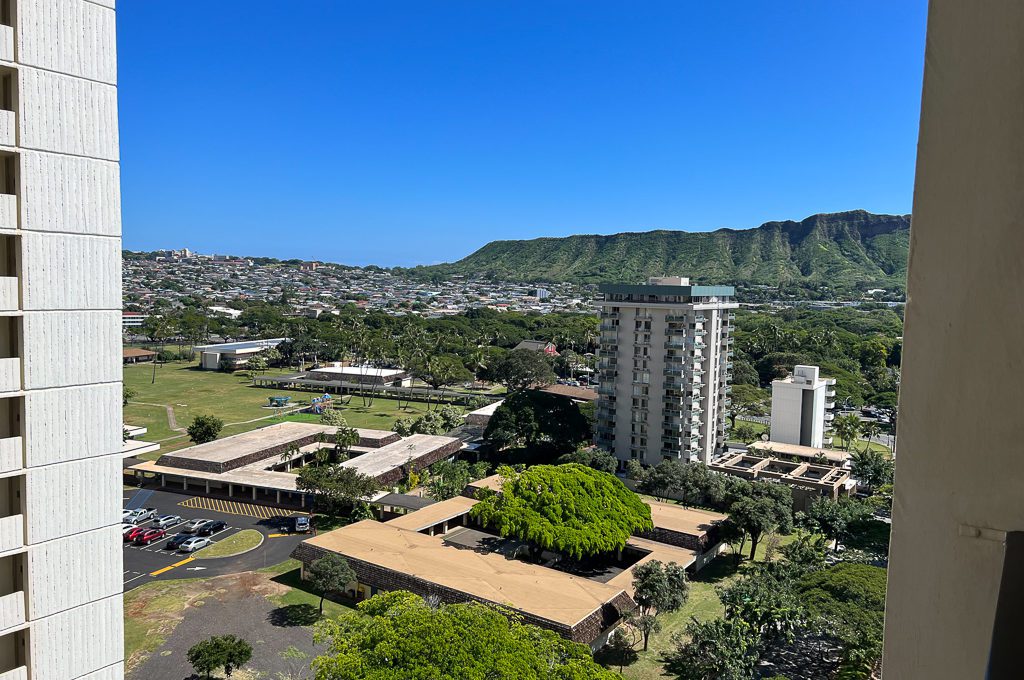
164	280
802	408
665	350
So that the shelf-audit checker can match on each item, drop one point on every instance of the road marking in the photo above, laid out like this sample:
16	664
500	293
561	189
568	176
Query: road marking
134	578
229	507
277	535
176	564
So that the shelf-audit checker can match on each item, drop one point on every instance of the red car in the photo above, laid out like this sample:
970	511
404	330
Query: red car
149	535
136	532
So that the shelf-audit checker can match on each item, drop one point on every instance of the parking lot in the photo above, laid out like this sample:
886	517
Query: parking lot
143	564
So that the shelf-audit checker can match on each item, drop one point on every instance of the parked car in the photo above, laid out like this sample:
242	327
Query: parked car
177	540
150	535
194	543
125	514
134	533
194	524
211	527
301	524
125	528
139	515
165	521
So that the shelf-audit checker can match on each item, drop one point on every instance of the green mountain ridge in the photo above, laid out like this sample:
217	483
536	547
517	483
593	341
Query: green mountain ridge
847	251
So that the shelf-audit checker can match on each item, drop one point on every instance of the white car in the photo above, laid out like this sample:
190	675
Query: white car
191	527
193	544
125	528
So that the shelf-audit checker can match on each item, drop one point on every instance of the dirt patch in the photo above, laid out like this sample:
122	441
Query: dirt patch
153	611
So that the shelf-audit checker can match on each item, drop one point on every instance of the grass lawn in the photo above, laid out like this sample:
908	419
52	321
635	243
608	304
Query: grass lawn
190	391
837	442
703	605
300	601
235	544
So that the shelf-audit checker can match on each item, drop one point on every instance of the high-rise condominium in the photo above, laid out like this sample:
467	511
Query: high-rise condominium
665	366
802	408
60	375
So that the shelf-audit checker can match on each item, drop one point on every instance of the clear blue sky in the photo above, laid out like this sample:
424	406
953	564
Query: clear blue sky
400	133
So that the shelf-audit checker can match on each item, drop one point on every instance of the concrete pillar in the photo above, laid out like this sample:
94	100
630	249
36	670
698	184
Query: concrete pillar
958	465
254	493
207	487
231	490
163	479
279	497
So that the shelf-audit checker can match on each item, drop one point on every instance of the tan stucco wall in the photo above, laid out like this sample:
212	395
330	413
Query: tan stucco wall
959	458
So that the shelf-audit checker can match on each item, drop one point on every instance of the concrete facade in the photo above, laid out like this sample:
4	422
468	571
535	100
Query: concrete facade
802	408
60	411
664	372
958	489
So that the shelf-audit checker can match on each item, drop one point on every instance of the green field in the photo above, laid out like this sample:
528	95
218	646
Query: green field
190	391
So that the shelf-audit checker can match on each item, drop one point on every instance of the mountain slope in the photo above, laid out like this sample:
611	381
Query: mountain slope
844	251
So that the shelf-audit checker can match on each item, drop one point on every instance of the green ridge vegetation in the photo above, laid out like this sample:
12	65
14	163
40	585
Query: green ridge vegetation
845	251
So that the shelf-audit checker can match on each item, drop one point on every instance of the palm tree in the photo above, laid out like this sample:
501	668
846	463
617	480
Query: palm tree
848	428
869	430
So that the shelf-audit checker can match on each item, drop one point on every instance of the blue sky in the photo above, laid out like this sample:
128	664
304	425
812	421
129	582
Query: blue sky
401	133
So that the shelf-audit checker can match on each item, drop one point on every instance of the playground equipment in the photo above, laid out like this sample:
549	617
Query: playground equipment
278	402
318	404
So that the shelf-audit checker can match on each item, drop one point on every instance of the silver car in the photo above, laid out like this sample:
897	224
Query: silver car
195	543
191	527
164	521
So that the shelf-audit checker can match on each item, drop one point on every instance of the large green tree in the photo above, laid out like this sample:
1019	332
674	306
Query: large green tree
220	651
523	368
571	509
529	418
657	589
397	636
871	467
335	487
720	649
329	574
204	428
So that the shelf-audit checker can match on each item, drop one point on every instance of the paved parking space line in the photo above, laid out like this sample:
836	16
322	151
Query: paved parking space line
230	507
176	564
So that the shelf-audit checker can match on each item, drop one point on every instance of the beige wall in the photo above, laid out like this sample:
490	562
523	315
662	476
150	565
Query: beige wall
961	421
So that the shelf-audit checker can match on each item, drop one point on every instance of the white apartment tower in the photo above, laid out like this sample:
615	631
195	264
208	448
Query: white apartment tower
802	408
666	360
60	333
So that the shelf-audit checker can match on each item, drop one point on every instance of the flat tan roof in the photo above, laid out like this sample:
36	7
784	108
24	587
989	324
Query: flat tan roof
781	449
493	483
246	443
684	520
662	552
397	454
546	593
249	475
433	514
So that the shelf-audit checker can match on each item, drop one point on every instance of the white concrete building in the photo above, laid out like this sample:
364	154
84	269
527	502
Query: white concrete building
235	353
665	366
60	340
802	408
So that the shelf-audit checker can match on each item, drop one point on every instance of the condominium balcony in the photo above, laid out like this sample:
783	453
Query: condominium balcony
606	327
830	381
12	533
609	338
607	352
12	458
604	429
699	332
606	389
19	673
830	393
829	417
609	315
8	211
10	374
12	610
830	403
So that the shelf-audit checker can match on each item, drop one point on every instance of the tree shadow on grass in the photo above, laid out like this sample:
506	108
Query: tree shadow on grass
294	615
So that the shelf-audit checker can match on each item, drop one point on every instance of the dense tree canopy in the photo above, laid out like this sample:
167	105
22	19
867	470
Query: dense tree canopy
530	417
397	636
204	429
571	509
522	368
334	486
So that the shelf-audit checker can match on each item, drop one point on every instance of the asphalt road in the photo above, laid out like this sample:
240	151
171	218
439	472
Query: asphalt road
143	564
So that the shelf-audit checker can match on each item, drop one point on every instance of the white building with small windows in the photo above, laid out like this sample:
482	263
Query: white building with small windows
665	364
802	408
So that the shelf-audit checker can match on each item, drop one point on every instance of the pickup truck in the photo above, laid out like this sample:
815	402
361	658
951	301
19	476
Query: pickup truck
139	515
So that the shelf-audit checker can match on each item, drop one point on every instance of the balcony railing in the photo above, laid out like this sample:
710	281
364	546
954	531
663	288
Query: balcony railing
8	293
829	394
606	389
830	404
12	533
8	211
12	610
6	128
6	44
11	458
10	374
19	673
609	327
